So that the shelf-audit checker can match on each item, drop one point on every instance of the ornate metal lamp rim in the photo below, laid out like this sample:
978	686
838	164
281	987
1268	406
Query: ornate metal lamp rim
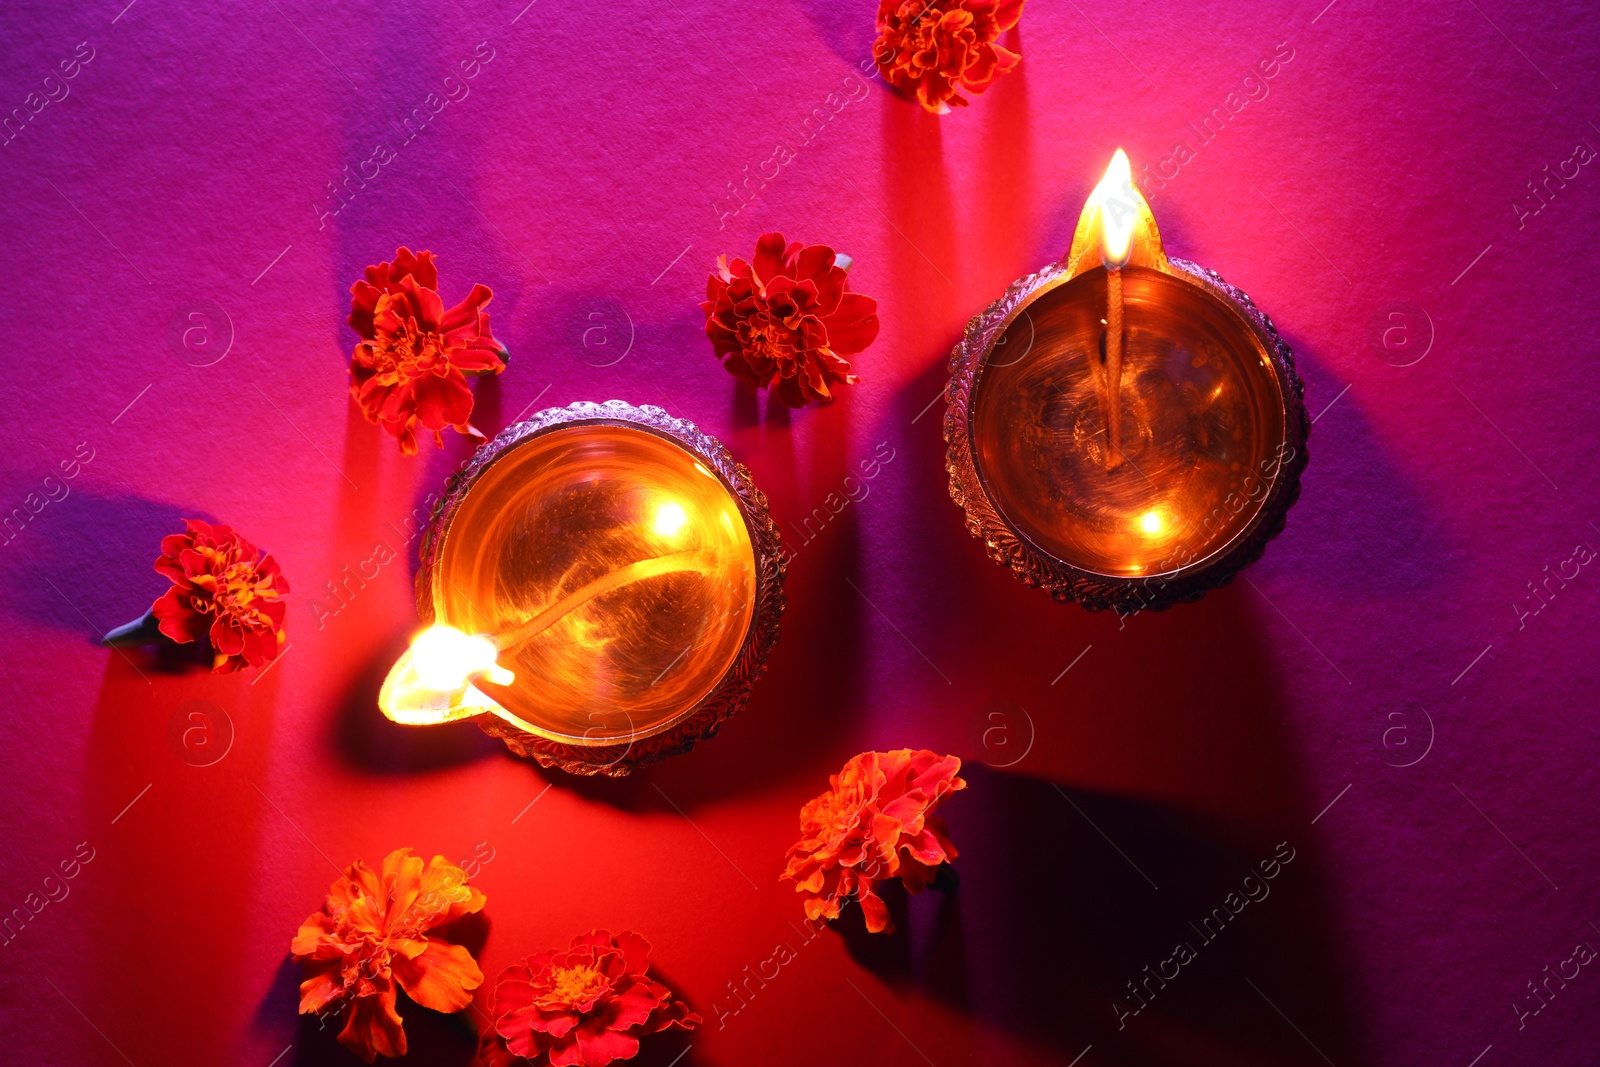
1095	591
616	756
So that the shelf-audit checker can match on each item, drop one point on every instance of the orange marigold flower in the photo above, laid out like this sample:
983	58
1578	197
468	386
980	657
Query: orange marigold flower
786	321
932	49
873	824
409	368
582	1007
370	939
222	590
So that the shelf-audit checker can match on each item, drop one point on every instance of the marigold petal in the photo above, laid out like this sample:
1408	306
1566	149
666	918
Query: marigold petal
768	262
314	938
875	911
178	620
373	1026
635	951
598	1046
442	977
446	892
632	1004
443	400
359	881
321	986
853	326
466	312
674	1014
564	1052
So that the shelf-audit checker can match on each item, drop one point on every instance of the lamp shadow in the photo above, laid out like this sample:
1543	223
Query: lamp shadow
1379	537
1156	936
364	738
1131	777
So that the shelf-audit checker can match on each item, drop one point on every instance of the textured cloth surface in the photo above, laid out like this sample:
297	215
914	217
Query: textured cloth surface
186	197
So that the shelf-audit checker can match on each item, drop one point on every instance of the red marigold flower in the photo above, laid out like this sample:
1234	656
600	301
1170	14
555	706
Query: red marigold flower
410	367
786	318
932	49
584	1007
370	938
224	591
873	824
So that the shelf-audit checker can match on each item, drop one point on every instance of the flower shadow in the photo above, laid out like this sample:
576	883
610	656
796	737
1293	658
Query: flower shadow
844	28
94	553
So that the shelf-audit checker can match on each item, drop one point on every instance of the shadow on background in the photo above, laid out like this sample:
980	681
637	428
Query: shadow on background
365	739
844	29
87	561
1067	896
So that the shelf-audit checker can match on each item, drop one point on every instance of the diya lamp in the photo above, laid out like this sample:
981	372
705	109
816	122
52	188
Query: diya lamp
603	584
1124	429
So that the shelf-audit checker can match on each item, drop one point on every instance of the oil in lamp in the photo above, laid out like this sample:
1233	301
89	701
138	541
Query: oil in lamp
603	584
1124	429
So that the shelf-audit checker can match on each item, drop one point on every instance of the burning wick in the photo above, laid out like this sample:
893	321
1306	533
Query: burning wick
433	681
1117	216
446	657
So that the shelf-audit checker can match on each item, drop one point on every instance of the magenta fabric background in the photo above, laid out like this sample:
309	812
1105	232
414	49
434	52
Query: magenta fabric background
1392	623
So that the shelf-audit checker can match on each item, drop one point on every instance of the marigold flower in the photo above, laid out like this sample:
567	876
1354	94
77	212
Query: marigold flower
582	1007
932	49
873	824
222	590
785	320
370	940
410	367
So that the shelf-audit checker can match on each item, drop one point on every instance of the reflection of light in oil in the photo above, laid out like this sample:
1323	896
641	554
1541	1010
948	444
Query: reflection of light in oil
1151	522
670	519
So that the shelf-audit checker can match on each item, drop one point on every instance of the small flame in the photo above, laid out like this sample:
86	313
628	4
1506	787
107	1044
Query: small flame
432	682
1119	211
446	657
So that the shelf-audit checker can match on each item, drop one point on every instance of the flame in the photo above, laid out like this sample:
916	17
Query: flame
445	658
1118	207
431	681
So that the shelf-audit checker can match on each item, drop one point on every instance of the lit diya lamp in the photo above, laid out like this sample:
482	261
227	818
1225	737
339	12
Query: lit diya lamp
1124	430
603	583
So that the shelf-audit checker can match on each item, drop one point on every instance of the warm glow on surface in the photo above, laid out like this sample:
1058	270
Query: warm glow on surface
445	658
670	519
1150	522
1119	210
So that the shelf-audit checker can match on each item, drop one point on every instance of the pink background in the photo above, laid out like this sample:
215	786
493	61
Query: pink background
577	177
